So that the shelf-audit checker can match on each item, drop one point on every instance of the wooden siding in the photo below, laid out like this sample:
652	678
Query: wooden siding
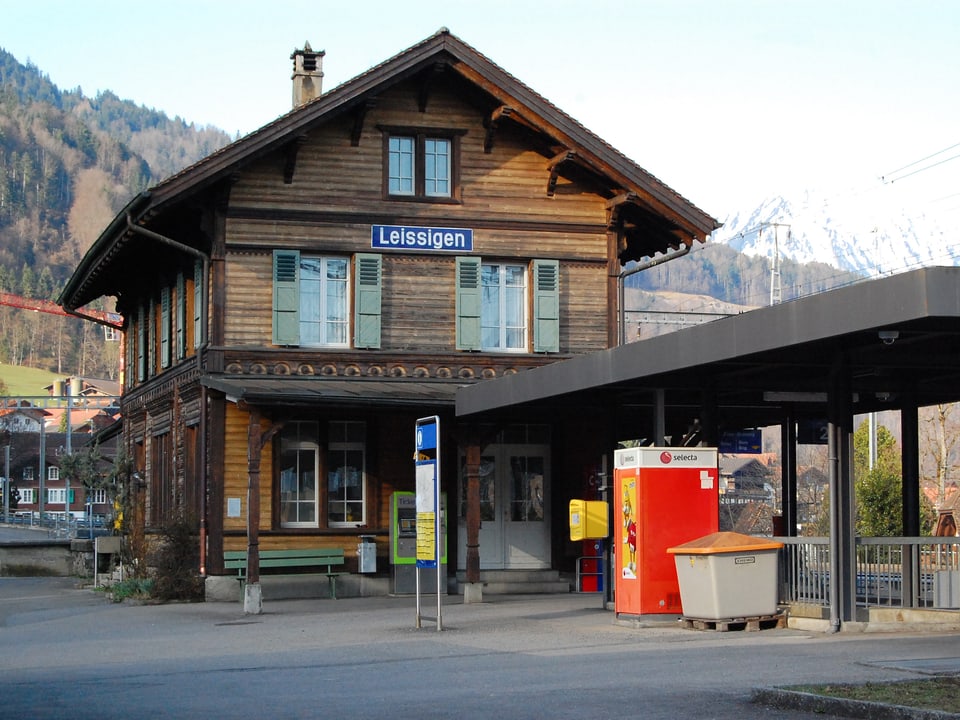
418	312
248	315
235	476
507	184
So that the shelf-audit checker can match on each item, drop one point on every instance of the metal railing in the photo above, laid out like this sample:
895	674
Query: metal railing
918	572
589	566
57	525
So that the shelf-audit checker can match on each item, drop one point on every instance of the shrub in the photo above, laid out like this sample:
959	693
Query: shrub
177	563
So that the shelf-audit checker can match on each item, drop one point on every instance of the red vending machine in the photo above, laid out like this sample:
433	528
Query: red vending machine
663	497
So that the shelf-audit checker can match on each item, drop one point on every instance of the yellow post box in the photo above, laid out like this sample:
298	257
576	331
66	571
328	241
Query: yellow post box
588	520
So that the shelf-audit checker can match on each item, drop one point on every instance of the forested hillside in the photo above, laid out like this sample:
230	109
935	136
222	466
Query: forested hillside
721	272
68	164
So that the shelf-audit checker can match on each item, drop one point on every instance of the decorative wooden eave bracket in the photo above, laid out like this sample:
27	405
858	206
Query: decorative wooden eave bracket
640	231
360	115
554	167
492	123
291	151
615	207
427	84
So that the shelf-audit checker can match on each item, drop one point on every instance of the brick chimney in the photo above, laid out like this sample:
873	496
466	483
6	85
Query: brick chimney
307	74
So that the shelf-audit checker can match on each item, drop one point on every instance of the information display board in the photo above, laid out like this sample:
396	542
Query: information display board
427	464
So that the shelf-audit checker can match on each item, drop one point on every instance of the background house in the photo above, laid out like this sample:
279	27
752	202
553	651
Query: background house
747	498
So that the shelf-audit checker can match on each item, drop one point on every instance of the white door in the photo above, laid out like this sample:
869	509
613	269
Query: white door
514	508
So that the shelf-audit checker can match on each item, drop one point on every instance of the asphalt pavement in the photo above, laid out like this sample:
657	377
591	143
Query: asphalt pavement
68	652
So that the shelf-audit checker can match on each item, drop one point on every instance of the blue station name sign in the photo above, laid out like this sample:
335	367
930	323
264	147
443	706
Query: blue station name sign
404	237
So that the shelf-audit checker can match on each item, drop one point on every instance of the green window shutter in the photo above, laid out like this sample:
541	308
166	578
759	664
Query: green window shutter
181	316
546	306
141	344
368	269
152	338
198	308
286	297
165	327
468	303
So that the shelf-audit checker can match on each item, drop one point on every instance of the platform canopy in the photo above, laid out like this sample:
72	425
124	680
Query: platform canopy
886	344
893	342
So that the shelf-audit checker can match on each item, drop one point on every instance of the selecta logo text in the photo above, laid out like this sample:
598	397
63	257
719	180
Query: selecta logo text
667	457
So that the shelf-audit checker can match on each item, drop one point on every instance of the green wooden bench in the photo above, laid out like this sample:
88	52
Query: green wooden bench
322	560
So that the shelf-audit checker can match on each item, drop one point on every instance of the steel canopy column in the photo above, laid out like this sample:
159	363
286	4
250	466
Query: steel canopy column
910	496
788	478
843	571
473	592
660	417
910	460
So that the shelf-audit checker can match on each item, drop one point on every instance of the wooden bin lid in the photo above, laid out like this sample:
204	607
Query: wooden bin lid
724	542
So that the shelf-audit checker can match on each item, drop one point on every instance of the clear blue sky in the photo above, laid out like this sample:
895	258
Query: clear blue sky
727	101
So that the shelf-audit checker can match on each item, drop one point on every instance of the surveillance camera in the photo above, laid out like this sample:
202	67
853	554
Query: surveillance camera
888	337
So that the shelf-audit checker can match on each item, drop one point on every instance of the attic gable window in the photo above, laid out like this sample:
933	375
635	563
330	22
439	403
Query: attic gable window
421	164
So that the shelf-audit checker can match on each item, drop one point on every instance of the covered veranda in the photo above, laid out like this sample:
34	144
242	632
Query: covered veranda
885	344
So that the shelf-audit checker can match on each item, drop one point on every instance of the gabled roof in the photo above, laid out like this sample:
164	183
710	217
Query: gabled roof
658	217
739	465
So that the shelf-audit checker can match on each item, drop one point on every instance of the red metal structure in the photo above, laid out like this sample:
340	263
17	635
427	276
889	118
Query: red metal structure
112	320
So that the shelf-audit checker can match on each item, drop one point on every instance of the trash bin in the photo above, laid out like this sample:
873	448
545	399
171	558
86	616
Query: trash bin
367	554
727	575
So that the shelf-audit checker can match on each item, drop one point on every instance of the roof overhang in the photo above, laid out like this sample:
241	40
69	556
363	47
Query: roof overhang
337	391
758	362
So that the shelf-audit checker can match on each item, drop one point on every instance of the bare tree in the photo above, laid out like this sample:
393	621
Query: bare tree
939	443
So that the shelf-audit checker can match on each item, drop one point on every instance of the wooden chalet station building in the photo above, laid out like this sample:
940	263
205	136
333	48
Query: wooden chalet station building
295	301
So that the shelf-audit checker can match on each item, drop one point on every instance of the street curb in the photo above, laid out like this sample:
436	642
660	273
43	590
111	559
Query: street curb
809	702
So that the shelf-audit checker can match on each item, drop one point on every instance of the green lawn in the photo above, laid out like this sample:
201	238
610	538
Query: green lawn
25	381
939	693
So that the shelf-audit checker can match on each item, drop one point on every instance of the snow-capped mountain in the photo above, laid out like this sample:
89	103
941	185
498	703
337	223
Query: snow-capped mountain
867	233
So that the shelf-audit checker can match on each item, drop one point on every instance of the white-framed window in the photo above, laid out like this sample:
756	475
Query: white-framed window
503	309
341	501
421	163
56	496
98	496
312	299
401	165
323	301
346	473
28	474
436	167
299	470
508	306
28	496
53	473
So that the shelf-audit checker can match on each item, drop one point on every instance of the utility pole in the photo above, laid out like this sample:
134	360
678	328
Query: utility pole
69	449
6	482
776	289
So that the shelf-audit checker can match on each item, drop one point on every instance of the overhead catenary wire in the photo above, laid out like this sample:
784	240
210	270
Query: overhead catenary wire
917	162
920	170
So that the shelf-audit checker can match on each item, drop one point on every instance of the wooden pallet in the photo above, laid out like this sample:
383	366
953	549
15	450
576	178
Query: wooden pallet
750	624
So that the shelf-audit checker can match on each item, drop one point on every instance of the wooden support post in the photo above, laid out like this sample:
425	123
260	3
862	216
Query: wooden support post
473	512
252	597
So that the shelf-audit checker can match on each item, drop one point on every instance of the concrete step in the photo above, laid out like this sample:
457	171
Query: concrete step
518	582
